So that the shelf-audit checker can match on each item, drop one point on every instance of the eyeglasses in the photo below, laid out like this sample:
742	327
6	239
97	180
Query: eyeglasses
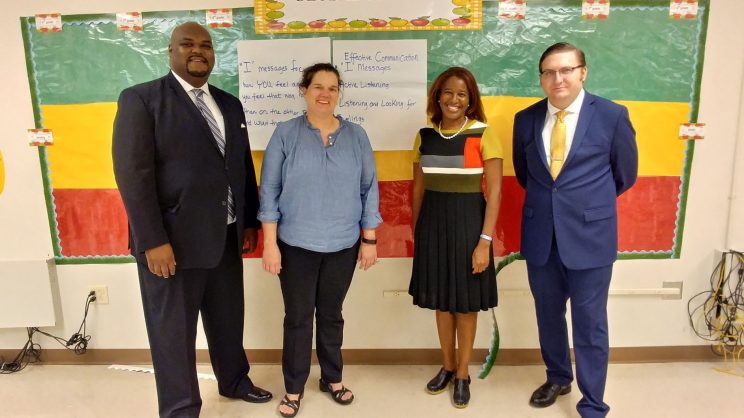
564	72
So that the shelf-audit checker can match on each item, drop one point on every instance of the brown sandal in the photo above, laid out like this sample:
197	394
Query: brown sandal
294	404
336	395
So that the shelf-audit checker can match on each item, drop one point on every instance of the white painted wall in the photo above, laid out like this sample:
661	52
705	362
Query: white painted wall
735	239
373	321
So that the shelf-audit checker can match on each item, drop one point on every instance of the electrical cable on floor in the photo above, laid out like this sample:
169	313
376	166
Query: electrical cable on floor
717	315
31	351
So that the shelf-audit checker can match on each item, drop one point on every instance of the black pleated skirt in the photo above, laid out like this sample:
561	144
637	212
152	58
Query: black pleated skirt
446	234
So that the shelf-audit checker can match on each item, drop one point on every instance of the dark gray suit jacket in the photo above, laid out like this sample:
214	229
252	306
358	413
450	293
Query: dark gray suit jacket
172	177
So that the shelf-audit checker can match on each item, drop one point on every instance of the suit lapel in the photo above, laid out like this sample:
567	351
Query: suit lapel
541	111
585	118
194	111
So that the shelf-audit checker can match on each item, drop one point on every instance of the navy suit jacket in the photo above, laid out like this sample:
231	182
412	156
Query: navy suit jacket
580	206
172	177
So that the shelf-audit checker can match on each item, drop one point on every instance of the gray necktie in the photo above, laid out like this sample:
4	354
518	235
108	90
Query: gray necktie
218	139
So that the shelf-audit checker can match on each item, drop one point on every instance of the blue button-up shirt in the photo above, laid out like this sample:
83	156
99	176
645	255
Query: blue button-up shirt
320	195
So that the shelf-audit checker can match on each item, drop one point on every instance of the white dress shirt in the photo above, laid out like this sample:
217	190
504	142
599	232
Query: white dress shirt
571	119
208	100
212	106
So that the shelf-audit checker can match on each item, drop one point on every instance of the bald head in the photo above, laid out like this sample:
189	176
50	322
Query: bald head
190	53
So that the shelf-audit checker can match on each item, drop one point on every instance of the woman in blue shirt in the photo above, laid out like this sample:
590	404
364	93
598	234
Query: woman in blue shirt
318	189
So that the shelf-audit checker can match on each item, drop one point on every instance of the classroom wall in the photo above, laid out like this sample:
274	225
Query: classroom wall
735	239
372	320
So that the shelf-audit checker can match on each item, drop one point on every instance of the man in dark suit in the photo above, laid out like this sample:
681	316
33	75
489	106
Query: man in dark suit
183	166
574	153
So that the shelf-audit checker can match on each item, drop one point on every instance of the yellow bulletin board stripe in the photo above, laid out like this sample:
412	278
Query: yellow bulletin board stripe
660	151
81	155
2	173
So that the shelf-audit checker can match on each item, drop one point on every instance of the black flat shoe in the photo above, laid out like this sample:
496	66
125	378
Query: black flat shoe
257	395
461	394
336	395
546	394
439	383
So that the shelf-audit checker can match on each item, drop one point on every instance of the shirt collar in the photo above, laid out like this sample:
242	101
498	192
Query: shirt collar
309	126
574	107
188	87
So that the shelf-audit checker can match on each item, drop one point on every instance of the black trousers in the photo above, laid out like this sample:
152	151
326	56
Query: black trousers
314	283
172	308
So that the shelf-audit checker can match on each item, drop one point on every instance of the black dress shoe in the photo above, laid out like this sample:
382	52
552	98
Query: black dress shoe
546	394
461	394
439	383
257	395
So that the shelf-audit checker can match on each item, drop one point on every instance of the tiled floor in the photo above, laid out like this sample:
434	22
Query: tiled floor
677	390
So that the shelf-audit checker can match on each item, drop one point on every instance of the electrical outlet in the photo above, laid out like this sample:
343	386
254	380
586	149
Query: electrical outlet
387	294
101	294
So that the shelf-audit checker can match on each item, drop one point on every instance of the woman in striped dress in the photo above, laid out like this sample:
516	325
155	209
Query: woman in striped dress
453	271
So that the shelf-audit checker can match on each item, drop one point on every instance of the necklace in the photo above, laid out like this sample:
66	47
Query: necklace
456	133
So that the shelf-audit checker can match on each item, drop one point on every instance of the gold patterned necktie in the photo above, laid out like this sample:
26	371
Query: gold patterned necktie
558	144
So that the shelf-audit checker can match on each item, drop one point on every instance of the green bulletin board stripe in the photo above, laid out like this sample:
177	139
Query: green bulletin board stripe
94	260
43	163
30	70
683	192
690	151
504	63
495	336
49	199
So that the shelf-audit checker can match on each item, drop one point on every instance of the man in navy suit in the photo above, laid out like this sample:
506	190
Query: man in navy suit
574	153
183	166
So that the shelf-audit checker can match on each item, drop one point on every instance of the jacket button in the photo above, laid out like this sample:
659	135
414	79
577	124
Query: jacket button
223	203
555	189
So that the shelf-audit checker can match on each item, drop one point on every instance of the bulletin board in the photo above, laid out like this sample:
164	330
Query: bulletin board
639	56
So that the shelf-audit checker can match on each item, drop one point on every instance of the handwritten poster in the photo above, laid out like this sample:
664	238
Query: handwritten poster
384	88
269	73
